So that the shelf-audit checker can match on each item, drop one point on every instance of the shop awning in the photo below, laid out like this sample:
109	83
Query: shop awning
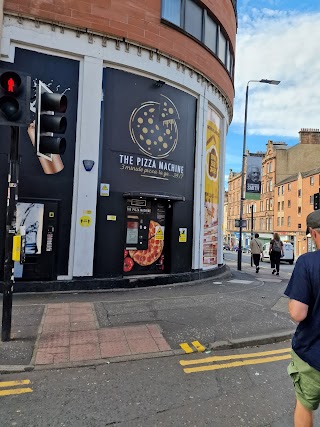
156	195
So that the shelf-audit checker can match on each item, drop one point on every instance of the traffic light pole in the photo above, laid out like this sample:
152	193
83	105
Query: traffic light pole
13	180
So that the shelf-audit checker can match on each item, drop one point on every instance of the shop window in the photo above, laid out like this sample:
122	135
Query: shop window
289	203
289	221
210	37
193	19
171	11
311	180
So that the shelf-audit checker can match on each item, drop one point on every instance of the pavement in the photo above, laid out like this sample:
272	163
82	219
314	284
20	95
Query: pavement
57	330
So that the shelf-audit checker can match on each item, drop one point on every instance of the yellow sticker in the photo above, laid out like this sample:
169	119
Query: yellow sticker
111	218
182	235
159	233
87	212
85	221
51	214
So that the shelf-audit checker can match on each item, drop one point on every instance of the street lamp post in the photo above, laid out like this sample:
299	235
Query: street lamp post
269	82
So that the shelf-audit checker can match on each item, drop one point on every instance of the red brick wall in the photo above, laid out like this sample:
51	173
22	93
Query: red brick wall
137	20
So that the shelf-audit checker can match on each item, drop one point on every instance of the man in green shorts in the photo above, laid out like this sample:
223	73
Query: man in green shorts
304	307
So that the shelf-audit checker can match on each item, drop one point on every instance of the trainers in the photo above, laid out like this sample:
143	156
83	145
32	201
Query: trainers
273	271
277	274
257	269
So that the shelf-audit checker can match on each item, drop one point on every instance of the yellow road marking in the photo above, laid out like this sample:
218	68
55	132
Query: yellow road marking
15	391
233	357
13	383
198	346
236	364
186	347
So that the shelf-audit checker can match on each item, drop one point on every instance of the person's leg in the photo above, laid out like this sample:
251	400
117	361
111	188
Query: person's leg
303	417
278	256
272	263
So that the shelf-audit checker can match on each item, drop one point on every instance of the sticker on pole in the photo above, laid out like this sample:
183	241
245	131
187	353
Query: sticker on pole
159	233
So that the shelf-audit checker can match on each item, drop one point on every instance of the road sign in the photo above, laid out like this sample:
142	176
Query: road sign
237	223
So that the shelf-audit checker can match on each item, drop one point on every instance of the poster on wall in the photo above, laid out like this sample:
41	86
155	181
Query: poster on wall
253	178
30	216
41	179
211	195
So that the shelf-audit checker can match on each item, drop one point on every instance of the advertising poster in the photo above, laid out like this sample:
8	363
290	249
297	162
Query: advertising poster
211	195
40	179
30	216
253	179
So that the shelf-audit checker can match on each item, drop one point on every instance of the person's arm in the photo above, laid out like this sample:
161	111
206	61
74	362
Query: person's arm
298	310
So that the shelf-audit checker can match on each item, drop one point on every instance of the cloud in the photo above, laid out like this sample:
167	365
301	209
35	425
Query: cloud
280	45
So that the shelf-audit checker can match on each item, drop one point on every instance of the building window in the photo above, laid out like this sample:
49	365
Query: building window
278	221
299	193
289	203
189	16
278	191
282	189
311	180
193	19
282	220
289	187
270	166
271	185
282	205
171	11
278	206
267	187
289	221
210	37
261	223
261	206
271	204
299	210
299	225
267	205
311	200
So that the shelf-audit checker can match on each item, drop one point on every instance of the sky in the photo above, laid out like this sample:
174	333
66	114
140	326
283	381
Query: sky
279	40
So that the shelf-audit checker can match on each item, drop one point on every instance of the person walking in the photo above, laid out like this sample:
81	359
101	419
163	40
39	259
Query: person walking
303	291
275	252
256	251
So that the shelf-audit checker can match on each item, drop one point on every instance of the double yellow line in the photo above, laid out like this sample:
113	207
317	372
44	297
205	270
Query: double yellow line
252	359
11	391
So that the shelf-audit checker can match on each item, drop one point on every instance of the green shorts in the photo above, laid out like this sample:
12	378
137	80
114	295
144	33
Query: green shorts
306	381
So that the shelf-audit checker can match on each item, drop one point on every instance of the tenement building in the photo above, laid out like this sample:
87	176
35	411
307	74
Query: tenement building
139	190
287	188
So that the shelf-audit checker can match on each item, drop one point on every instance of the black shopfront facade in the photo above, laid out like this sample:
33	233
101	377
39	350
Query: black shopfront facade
145	224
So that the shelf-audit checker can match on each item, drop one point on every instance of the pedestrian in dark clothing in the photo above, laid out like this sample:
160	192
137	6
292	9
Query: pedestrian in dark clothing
304	307
256	251
275	252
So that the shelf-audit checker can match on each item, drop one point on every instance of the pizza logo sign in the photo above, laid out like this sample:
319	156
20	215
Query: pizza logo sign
153	127
212	164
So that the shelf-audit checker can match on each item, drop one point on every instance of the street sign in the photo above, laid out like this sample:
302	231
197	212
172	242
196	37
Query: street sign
237	223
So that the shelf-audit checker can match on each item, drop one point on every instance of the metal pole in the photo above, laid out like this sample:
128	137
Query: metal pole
13	179
251	231
242	178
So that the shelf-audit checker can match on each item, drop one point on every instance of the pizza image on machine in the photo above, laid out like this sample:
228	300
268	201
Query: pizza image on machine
155	247
153	127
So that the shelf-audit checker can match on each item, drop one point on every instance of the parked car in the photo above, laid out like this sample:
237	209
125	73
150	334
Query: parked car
226	247
288	252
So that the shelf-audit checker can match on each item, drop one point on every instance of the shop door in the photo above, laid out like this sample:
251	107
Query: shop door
147	228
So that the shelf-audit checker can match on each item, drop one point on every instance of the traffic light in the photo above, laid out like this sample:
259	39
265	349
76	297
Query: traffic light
316	201
15	89
48	123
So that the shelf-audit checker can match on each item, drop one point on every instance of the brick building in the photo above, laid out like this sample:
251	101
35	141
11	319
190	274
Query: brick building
287	188
150	88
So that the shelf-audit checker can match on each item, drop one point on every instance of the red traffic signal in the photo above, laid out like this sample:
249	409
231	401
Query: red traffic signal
14	98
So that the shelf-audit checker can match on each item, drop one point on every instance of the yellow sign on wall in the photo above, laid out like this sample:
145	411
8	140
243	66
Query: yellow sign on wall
159	233
182	235
85	221
16	248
